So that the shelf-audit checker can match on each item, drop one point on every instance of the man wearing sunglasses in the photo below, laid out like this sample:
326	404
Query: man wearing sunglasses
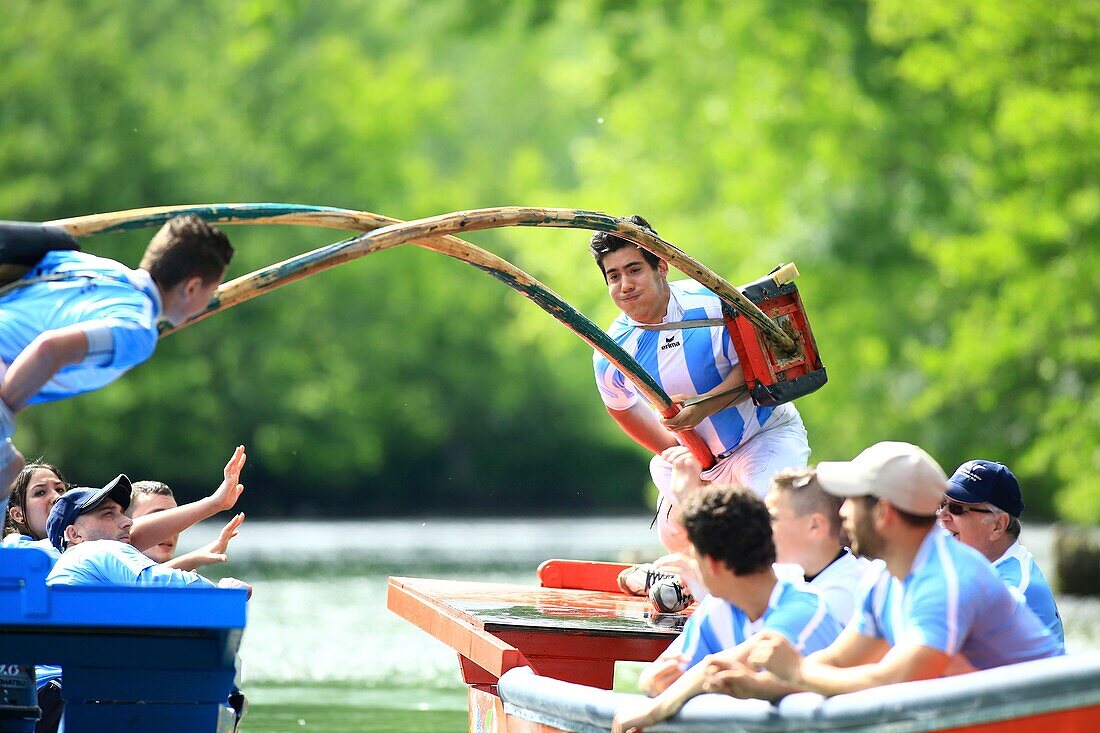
982	509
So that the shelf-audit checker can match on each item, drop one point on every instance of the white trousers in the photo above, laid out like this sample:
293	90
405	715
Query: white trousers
750	465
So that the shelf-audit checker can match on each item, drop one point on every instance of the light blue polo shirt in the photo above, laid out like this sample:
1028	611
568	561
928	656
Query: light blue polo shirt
795	611
953	602
116	307
107	562
1018	570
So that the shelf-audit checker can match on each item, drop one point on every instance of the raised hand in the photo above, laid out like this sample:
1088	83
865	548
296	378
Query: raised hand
227	493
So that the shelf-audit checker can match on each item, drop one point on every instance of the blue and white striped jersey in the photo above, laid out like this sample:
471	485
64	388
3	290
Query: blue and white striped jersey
795	611
686	361
116	307
952	601
1018	570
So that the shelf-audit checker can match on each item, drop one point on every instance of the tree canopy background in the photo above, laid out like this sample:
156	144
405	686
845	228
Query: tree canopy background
932	167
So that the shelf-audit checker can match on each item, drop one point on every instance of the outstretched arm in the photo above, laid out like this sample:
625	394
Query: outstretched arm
158	526
37	364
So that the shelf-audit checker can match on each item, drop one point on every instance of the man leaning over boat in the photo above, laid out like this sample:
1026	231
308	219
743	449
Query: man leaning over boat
731	538
935	608
75	322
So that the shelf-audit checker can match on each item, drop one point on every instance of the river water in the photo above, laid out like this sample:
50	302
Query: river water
321	651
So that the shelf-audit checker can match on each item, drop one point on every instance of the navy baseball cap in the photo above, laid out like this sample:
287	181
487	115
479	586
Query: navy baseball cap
986	482
79	501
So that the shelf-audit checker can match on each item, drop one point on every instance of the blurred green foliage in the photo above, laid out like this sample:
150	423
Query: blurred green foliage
932	167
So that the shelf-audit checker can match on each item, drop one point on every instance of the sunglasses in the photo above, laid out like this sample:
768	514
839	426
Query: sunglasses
960	509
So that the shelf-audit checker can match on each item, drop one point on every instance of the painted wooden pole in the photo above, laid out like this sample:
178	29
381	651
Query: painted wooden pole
249	286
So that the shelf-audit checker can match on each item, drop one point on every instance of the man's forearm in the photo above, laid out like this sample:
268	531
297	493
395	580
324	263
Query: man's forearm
152	529
36	364
828	680
689	685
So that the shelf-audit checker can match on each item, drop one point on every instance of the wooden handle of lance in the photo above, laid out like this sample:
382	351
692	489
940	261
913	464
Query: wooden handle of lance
691	440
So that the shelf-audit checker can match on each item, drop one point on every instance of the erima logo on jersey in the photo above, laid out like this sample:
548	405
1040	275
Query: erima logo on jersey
670	343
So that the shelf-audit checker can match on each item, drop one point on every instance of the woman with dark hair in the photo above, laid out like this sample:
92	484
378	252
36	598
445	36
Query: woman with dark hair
35	490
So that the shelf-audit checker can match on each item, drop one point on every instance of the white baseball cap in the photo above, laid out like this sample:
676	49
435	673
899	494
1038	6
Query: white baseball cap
901	473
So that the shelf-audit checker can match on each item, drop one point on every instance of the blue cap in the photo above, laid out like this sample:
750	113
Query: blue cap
986	482
75	502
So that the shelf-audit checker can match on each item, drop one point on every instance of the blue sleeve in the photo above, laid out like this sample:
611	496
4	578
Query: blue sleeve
160	576
1010	572
805	622
130	567
791	618
616	391
938	611
698	639
864	620
119	342
120	326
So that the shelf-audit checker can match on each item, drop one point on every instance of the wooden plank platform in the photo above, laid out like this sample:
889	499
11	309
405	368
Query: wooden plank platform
571	635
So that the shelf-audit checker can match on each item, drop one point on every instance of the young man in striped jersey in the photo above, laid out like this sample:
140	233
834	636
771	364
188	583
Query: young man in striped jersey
982	509
935	608
751	443
730	534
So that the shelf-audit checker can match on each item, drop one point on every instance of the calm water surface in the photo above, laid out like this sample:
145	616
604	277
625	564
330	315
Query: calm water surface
321	651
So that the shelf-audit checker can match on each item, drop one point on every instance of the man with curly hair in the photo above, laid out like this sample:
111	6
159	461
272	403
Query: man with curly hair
731	538
76	322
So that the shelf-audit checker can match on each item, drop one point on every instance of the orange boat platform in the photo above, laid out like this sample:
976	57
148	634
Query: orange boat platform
570	634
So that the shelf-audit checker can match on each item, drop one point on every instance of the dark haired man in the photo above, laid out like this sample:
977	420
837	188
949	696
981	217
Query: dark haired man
750	443
730	534
76	322
982	509
936	606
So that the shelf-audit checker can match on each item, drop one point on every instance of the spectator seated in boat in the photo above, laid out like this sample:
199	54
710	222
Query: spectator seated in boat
91	530
934	607
76	322
750	443
38	486
807	531
33	493
982	509
731	538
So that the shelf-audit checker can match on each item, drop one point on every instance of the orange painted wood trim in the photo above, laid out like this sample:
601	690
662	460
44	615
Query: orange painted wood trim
453	628
581	575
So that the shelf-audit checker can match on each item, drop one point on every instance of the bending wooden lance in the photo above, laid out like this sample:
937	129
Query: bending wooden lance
251	285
